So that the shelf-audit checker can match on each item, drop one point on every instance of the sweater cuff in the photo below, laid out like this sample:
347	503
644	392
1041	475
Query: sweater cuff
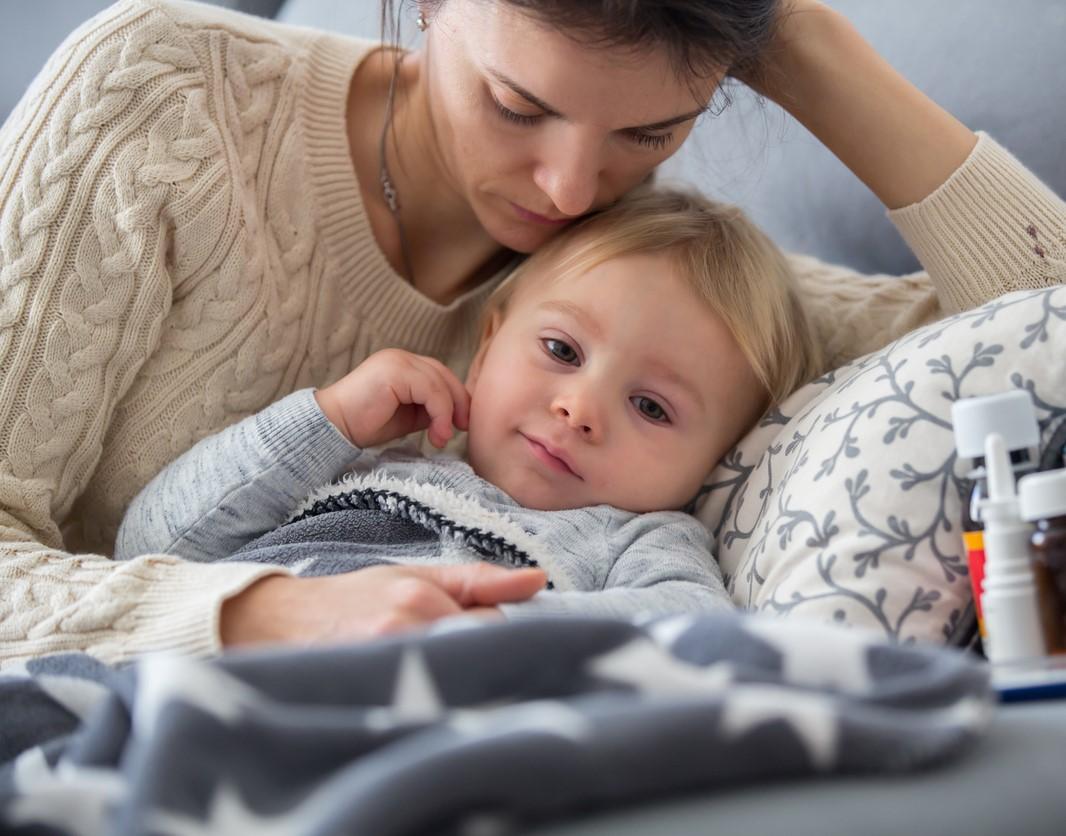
976	234
300	437
179	610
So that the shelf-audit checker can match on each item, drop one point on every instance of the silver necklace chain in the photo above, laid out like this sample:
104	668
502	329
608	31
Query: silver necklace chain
388	190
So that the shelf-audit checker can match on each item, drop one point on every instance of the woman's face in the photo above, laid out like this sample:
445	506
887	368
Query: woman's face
535	129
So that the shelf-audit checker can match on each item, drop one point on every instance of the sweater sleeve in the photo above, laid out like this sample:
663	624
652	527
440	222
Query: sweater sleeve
103	165
235	485
991	228
661	565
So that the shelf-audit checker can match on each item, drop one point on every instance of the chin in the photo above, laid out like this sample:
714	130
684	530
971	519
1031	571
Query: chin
542	500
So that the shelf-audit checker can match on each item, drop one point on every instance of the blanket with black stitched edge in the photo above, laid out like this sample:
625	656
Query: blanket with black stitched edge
469	724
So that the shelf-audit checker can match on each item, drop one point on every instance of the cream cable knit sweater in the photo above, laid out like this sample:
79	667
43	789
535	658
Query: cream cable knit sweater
182	242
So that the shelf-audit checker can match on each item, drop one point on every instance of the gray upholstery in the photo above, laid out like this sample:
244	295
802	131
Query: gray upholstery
996	65
361	17
1009	783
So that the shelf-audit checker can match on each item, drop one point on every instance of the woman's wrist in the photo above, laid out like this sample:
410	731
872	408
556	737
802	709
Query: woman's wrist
256	614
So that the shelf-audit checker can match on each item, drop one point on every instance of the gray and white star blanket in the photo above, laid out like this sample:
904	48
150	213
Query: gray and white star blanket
433	732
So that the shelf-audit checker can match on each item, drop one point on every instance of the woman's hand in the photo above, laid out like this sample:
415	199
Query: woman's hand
282	609
394	393
893	137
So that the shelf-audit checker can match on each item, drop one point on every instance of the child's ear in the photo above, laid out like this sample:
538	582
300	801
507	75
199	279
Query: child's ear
488	331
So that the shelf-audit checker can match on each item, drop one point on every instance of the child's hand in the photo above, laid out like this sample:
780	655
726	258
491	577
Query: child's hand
393	393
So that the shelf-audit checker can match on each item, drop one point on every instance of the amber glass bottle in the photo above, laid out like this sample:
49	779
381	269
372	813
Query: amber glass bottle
1042	499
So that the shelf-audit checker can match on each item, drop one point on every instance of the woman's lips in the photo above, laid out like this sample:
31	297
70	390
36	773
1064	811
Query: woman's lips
533	217
546	455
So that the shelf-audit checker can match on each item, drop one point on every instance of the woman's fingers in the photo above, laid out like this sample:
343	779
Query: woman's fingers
367	603
482	585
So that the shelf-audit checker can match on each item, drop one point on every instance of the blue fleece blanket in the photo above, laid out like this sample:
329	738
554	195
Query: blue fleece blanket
445	731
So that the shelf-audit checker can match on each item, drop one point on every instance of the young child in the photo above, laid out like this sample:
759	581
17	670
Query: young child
615	368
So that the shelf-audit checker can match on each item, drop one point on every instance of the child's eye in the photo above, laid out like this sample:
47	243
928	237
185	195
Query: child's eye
650	409
561	351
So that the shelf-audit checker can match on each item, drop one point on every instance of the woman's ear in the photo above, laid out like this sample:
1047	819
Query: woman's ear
488	331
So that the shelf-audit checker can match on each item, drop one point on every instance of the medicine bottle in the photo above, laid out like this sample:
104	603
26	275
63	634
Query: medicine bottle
1011	414
1042	499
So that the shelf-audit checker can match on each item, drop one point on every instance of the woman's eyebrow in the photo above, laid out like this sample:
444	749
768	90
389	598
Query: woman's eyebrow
551	111
525	94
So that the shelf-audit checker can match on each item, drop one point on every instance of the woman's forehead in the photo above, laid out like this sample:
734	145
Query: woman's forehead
626	85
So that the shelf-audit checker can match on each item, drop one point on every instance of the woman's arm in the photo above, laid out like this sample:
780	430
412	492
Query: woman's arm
87	219
979	222
895	139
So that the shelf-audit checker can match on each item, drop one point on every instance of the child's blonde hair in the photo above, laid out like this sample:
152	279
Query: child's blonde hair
729	262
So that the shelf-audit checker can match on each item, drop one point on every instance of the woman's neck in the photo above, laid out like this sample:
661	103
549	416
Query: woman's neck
447	249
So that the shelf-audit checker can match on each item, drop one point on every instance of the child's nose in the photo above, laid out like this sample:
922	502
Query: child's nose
580	414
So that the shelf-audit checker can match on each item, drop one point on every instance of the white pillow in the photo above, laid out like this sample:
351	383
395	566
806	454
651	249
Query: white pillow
845	505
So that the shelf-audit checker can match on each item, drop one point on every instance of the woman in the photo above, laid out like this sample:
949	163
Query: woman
201	212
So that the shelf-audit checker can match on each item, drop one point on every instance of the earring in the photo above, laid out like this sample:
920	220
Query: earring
421	22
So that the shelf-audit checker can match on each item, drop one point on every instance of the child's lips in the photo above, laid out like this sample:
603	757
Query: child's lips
552	456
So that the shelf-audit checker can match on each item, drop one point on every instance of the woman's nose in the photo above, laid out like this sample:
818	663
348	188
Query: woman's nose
569	172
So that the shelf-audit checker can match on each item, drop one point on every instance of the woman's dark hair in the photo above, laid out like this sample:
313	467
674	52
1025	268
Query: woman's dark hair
704	37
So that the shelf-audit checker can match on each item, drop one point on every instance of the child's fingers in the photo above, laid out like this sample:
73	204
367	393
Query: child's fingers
430	391
460	397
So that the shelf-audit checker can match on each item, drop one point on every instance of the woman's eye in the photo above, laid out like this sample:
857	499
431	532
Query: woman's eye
561	351
650	409
512	116
654	141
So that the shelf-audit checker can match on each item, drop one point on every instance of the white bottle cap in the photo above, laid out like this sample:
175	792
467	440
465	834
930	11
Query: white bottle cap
1010	414
1042	495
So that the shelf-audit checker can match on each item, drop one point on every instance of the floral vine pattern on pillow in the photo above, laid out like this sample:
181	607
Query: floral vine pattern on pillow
845	504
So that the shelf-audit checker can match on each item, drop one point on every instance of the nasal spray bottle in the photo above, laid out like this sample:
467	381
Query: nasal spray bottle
1009	599
1011	415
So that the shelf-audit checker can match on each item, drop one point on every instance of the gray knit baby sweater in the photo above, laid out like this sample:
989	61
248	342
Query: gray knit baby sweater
247	493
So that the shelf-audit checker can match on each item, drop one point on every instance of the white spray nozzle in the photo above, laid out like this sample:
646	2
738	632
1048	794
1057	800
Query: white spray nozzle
997	463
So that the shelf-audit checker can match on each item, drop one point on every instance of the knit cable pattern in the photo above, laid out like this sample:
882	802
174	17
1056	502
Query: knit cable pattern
97	192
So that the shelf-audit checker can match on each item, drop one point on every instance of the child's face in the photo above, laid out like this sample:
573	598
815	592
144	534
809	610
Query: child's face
614	387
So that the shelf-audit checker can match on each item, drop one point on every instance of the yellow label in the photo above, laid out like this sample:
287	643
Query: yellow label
975	559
